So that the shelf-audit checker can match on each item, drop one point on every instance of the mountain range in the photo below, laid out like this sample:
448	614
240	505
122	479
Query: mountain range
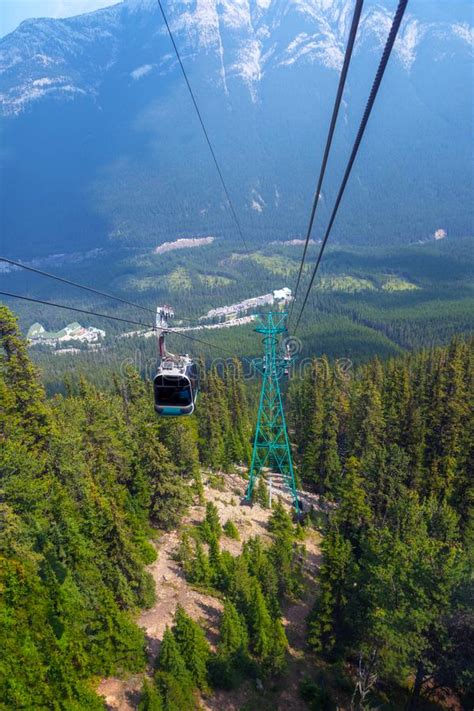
101	147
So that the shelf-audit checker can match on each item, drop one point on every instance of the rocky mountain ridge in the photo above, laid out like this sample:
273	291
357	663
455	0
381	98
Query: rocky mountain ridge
47	58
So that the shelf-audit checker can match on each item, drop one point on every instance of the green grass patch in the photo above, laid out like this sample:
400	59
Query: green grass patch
279	266
349	284
214	280
394	283
179	280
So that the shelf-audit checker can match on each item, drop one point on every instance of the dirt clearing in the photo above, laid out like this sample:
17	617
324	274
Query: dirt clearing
172	589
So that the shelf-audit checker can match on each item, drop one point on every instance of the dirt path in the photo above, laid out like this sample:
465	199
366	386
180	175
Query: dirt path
172	589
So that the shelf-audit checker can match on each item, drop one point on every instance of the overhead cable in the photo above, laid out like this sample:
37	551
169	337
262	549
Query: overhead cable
73	283
370	103
113	318
203	126
72	308
337	103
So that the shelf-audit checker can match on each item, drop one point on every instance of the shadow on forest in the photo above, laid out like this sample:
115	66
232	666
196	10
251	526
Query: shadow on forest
153	649
213	615
133	698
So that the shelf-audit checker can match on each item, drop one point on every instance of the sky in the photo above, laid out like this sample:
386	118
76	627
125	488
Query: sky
12	12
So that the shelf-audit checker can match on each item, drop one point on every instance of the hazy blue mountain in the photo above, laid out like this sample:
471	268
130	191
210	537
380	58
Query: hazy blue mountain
100	144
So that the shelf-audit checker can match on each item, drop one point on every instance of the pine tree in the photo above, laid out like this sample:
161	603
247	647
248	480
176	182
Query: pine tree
238	408
240	585
367	426
200	570
215	561
312	446
287	561
391	557
329	464
396	398
170	659
353	512
277	659
214	424
180	439
392	481
280	520
255	555
227	564
169	495
175	695
262	566
261	627
455	419
192	645
151	699
327	622
414	438
233	632
231	530
262	493
23	410
211	525
224	419
184	554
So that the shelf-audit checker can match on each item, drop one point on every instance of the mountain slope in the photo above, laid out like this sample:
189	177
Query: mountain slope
100	143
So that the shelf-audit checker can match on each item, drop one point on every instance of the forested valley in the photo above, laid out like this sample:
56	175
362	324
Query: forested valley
90	479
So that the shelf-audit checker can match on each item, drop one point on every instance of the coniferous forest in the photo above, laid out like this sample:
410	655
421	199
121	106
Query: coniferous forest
91	477
392	450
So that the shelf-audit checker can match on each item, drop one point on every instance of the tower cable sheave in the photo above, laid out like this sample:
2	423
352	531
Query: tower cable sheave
368	109
203	126
337	103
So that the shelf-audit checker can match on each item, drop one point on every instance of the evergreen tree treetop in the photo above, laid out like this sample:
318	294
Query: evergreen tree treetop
193	646
23	410
169	658
233	632
151	699
280	520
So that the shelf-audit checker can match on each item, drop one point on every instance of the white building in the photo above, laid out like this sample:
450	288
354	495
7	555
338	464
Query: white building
278	296
72	332
282	294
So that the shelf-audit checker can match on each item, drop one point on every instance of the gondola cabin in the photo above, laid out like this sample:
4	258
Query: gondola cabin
175	386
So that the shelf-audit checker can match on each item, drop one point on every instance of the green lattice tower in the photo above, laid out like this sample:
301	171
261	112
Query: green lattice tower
271	447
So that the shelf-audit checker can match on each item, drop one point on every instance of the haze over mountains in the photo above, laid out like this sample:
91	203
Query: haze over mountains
101	147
